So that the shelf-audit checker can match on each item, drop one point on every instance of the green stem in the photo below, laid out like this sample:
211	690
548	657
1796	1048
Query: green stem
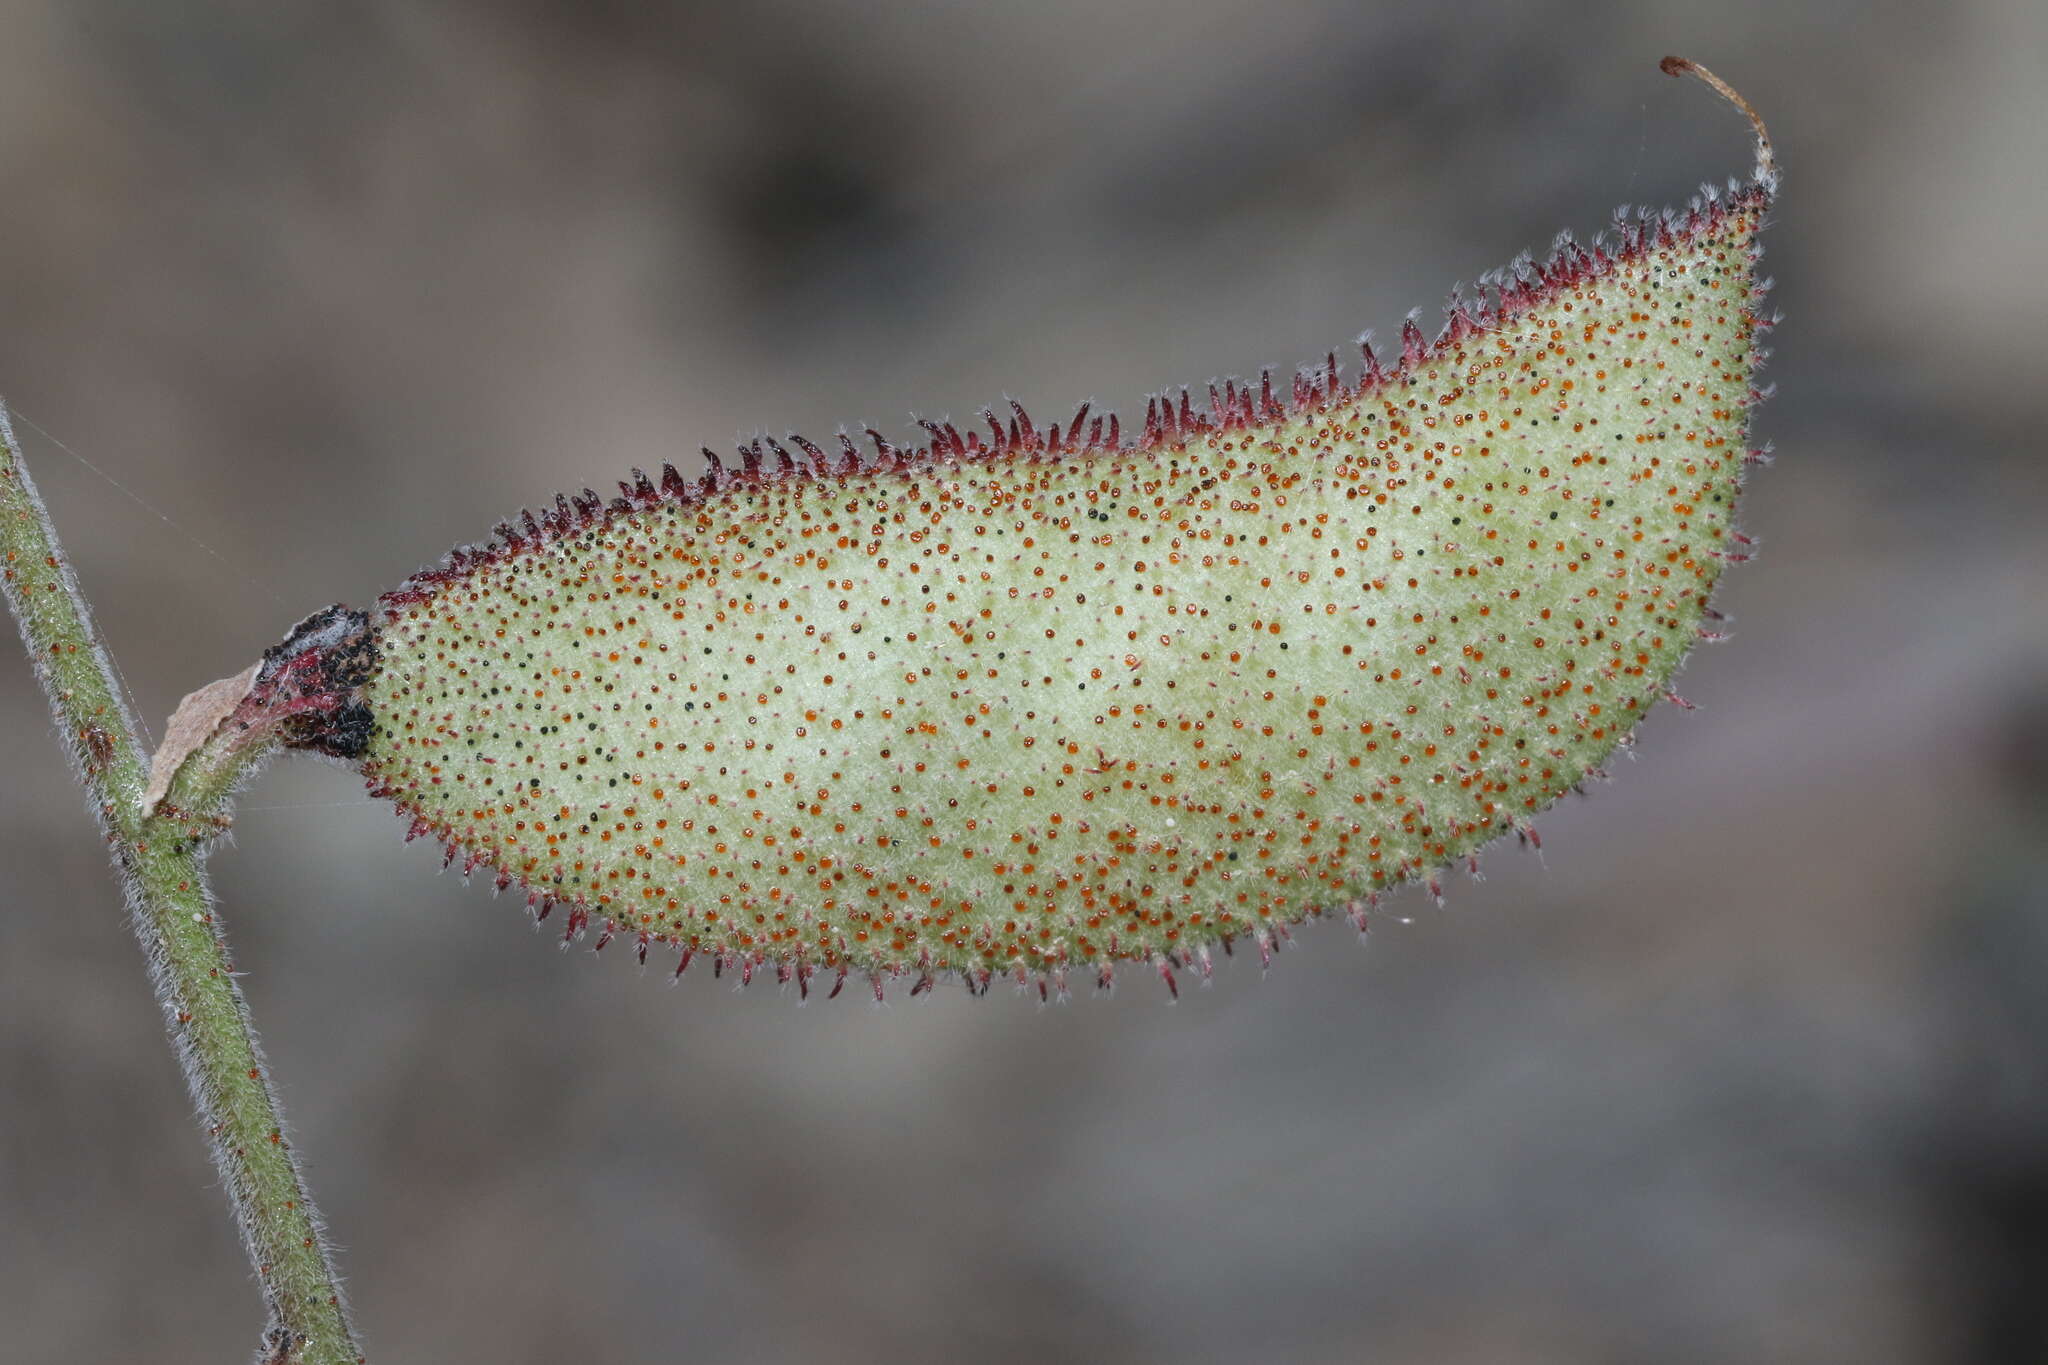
159	857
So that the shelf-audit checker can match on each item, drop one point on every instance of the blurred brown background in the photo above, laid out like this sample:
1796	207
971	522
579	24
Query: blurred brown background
1753	1070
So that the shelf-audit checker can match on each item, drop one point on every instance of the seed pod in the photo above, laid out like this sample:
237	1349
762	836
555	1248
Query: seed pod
1035	701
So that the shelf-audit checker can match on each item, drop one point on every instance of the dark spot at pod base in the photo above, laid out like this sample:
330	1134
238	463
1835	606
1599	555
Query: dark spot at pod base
311	679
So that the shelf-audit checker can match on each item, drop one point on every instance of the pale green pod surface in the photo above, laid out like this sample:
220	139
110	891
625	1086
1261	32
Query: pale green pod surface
1034	702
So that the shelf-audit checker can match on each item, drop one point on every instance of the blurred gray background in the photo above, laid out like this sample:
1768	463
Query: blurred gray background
1752	1070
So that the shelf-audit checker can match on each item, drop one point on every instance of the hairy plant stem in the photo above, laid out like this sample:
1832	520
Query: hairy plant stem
160	857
